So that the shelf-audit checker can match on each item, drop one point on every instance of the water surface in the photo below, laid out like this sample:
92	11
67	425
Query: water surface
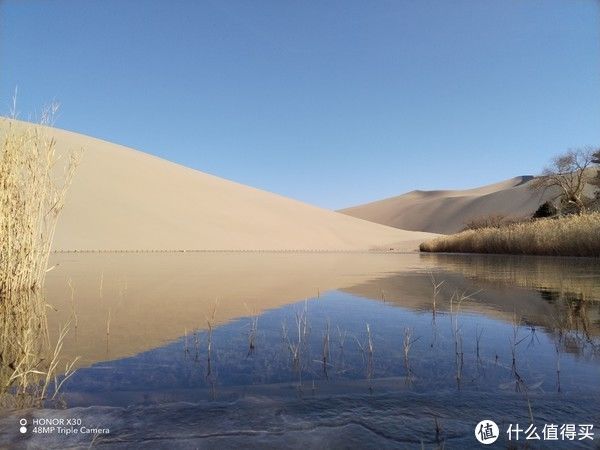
324	350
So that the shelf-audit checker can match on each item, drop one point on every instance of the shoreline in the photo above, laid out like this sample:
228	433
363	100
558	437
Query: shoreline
298	251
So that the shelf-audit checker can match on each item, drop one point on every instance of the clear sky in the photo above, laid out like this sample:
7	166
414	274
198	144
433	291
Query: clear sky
331	102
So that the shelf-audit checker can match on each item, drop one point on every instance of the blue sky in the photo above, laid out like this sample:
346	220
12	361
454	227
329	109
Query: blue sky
334	103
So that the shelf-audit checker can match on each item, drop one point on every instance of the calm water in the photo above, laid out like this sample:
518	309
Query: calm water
372	358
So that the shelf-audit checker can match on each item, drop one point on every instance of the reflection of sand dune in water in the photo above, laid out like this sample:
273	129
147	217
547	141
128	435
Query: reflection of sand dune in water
154	298
554	293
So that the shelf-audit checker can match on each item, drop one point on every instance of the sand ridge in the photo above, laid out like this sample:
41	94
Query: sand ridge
448	211
123	199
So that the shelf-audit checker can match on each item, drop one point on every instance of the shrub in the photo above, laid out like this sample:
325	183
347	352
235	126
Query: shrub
546	209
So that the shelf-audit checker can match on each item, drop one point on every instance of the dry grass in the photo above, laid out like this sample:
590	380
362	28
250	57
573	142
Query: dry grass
575	235
407	344
32	193
367	351
33	184
492	221
253	333
29	364
296	346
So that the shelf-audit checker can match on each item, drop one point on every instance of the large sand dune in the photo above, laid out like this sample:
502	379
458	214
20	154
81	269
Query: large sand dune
448	211
123	199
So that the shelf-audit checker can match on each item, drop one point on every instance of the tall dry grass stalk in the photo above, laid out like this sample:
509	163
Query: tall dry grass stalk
436	292
210	322
33	183
575	235
326	349
407	344
342	336
455	304
367	351
253	333
297	345
520	385
32	193
29	364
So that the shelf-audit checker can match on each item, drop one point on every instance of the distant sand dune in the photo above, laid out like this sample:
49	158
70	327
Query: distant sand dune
123	199
448	211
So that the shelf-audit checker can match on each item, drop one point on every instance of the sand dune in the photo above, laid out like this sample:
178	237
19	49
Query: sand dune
123	199
448	211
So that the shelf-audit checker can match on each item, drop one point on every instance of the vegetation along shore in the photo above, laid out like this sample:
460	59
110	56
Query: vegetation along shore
567	225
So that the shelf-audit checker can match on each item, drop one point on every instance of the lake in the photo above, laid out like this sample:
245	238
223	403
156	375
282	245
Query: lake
314	350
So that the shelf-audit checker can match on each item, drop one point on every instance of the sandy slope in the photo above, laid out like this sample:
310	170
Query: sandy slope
122	199
448	211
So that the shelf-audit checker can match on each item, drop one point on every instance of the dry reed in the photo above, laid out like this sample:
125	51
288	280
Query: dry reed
210	322
326	349
73	311
436	291
296	346
455	304
32	195
407	344
367	350
574	235
342	336
29	363
252	334
33	183
520	385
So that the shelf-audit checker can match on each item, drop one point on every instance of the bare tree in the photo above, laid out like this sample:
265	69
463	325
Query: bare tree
569	174
596	180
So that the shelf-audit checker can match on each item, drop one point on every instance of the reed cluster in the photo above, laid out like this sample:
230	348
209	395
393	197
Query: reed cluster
31	370
573	235
34	180
33	184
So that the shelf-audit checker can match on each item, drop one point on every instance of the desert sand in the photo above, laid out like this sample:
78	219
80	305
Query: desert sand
447	211
123	199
